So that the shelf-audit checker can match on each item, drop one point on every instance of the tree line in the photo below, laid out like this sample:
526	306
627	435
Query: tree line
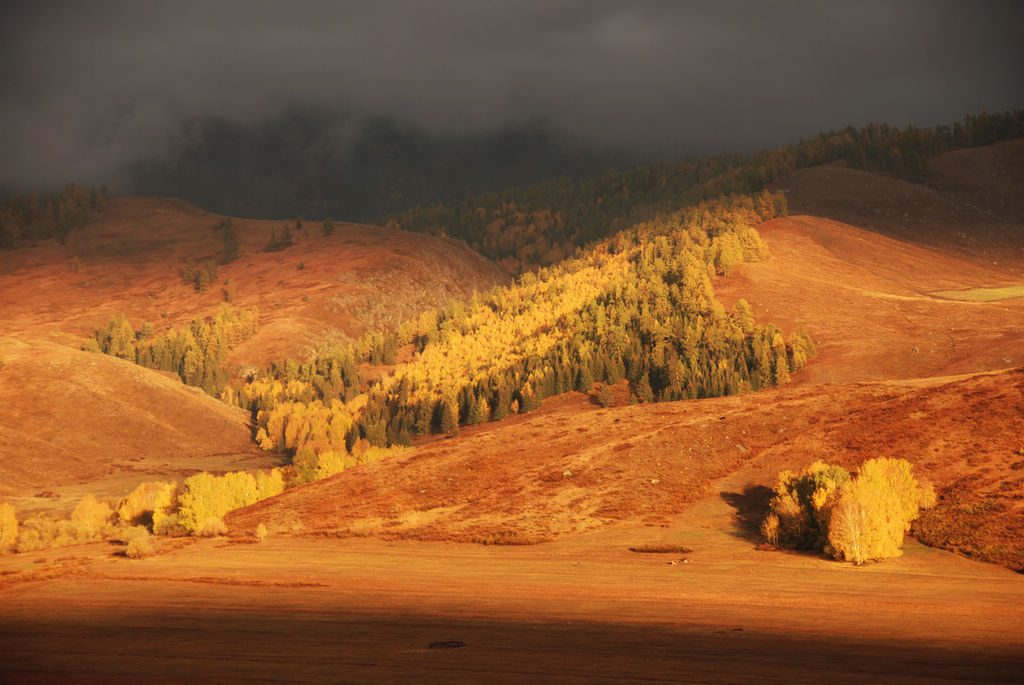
524	228
29	217
196	353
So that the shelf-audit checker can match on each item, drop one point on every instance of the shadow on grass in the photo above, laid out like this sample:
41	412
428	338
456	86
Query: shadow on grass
751	507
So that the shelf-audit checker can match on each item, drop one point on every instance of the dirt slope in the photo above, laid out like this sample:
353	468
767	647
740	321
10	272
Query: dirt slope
76	423
989	178
129	260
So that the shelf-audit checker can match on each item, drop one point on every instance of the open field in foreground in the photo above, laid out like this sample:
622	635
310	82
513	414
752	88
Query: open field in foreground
583	609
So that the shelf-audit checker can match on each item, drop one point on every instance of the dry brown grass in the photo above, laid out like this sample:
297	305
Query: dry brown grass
656	548
987	528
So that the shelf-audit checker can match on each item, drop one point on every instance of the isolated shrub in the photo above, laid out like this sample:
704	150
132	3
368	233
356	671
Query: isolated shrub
167	525
261	532
139	543
211	526
36	533
8	527
91	517
29	540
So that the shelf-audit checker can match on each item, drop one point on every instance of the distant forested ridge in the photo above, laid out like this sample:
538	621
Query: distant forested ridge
542	224
318	165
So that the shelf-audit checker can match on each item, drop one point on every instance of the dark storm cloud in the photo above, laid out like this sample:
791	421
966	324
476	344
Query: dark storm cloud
89	86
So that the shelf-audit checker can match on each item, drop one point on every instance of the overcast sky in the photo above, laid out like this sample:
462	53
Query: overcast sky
88	86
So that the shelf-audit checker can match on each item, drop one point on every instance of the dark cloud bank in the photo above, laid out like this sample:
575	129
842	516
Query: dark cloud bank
90	90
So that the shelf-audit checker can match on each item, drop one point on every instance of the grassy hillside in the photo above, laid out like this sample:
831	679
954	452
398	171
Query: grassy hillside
76	423
129	259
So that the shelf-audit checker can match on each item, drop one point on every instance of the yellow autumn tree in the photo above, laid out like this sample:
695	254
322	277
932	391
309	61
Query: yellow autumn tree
152	501
854	520
90	517
8	527
875	511
800	510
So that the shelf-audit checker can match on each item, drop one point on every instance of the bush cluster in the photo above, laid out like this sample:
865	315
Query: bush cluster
853	519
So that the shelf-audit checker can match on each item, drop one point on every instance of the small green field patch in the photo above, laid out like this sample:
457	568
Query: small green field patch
981	294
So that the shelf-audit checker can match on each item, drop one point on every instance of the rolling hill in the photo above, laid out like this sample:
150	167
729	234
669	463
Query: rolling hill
359	576
970	205
77	422
902	370
899	372
128	260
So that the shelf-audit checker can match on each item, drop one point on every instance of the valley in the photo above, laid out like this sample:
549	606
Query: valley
500	551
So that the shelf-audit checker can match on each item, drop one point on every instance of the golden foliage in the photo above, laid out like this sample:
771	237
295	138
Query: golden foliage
138	543
91	518
803	503
770	529
876	510
154	500
211	526
292	425
8	527
207	497
855	520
